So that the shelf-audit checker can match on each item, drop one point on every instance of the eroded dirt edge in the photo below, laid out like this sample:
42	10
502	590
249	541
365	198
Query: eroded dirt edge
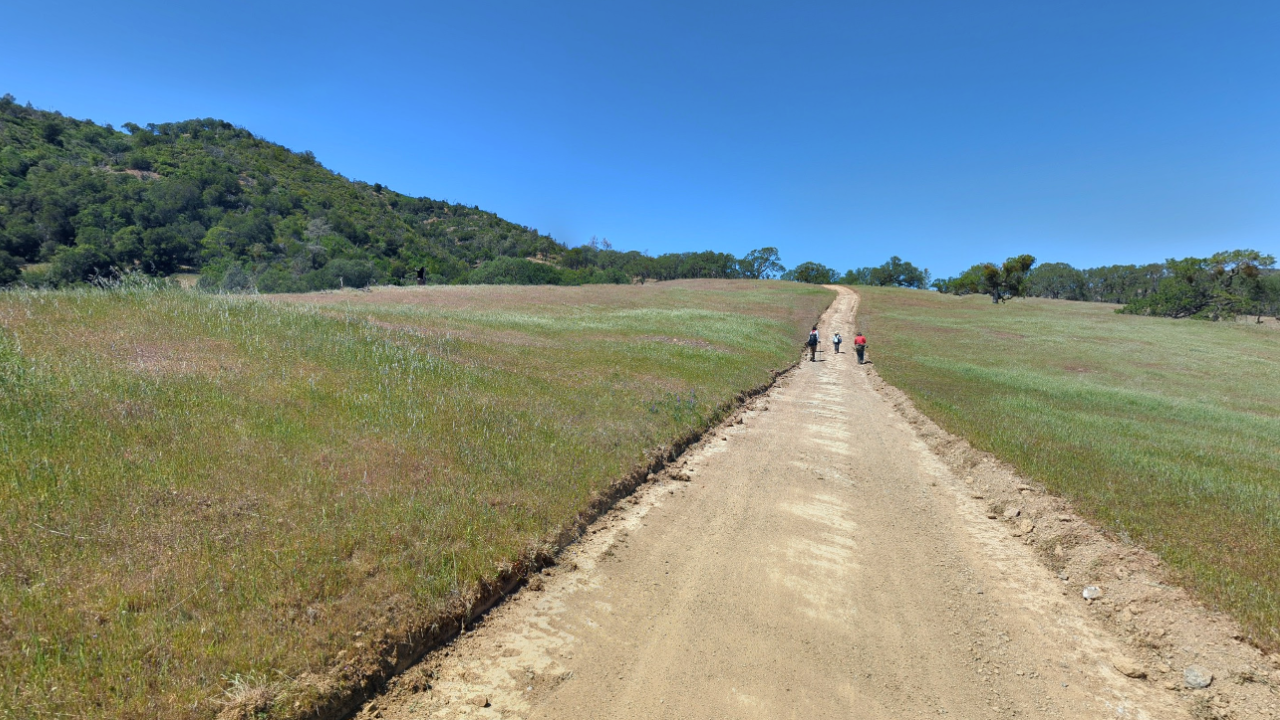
1165	629
366	669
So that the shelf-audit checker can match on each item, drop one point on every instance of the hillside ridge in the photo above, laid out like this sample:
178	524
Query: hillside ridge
81	201
204	194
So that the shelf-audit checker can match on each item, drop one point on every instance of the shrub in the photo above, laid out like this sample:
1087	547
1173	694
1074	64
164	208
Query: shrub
225	277
10	268
350	273
277	280
81	263
514	271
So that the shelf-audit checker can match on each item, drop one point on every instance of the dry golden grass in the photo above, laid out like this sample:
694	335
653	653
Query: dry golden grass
203	496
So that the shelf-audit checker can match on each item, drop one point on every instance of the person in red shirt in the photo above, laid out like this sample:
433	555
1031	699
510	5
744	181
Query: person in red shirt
860	344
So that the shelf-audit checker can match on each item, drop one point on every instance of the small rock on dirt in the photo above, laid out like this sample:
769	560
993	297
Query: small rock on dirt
1093	592
479	701
1012	513
1128	667
992	516
1197	677
1026	526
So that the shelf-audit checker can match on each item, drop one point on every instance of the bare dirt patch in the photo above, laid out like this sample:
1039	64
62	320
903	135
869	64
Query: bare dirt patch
140	174
686	342
207	358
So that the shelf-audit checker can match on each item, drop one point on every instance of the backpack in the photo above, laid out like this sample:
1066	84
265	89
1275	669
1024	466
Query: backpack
813	338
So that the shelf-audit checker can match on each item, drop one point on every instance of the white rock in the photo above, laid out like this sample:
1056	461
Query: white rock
1197	677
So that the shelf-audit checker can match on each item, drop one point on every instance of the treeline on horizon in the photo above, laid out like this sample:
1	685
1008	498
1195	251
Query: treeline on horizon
1224	285
82	202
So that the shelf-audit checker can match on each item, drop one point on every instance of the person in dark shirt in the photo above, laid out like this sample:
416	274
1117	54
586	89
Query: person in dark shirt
813	344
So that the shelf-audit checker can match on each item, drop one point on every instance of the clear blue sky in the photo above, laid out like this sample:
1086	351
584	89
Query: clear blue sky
944	132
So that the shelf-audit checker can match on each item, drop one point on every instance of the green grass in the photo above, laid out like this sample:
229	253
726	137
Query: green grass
196	489
1167	432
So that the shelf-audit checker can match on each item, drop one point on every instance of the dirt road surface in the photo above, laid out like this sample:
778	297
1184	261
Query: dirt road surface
820	562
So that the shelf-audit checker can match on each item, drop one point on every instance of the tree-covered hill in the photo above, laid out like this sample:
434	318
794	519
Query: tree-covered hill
80	201
206	195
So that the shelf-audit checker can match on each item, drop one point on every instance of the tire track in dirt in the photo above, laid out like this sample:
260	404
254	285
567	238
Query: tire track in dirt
820	562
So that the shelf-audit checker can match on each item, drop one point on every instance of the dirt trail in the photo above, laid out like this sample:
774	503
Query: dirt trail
821	563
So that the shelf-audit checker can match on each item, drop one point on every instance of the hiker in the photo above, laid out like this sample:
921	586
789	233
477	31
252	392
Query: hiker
860	344
813	344
836	340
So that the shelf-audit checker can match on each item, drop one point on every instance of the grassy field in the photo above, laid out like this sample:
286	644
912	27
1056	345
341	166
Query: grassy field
1165	431
198	492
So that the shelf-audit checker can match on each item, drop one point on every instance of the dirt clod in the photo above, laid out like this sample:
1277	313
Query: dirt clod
1128	667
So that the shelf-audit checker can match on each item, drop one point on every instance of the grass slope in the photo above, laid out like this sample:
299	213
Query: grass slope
1165	431
196	489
